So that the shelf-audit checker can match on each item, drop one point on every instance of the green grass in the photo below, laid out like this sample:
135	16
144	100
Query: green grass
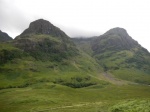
133	75
50	97
132	106
126	65
25	71
31	85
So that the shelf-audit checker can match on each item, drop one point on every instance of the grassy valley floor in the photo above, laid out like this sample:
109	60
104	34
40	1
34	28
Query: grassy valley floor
50	97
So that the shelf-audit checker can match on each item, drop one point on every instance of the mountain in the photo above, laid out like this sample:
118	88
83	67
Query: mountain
44	53
49	49
119	55
4	37
43	40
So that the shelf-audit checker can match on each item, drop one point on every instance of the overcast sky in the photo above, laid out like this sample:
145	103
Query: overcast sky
79	17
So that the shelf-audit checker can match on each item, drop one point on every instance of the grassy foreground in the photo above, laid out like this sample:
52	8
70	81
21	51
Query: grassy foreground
50	97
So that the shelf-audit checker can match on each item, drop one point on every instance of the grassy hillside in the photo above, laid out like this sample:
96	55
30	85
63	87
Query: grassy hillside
43	58
120	65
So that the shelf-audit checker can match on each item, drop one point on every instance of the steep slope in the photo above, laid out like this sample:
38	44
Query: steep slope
4	37
119	55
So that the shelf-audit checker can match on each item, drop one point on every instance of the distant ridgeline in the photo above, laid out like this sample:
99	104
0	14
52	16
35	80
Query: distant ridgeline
4	37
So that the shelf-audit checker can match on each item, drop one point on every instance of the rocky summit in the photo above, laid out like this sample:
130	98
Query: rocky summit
4	37
115	39
118	31
42	26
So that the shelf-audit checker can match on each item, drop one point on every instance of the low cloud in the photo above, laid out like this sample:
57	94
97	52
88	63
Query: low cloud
77	32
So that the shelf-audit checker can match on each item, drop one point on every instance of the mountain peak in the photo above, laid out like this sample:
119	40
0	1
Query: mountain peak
115	39
42	26
118	31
